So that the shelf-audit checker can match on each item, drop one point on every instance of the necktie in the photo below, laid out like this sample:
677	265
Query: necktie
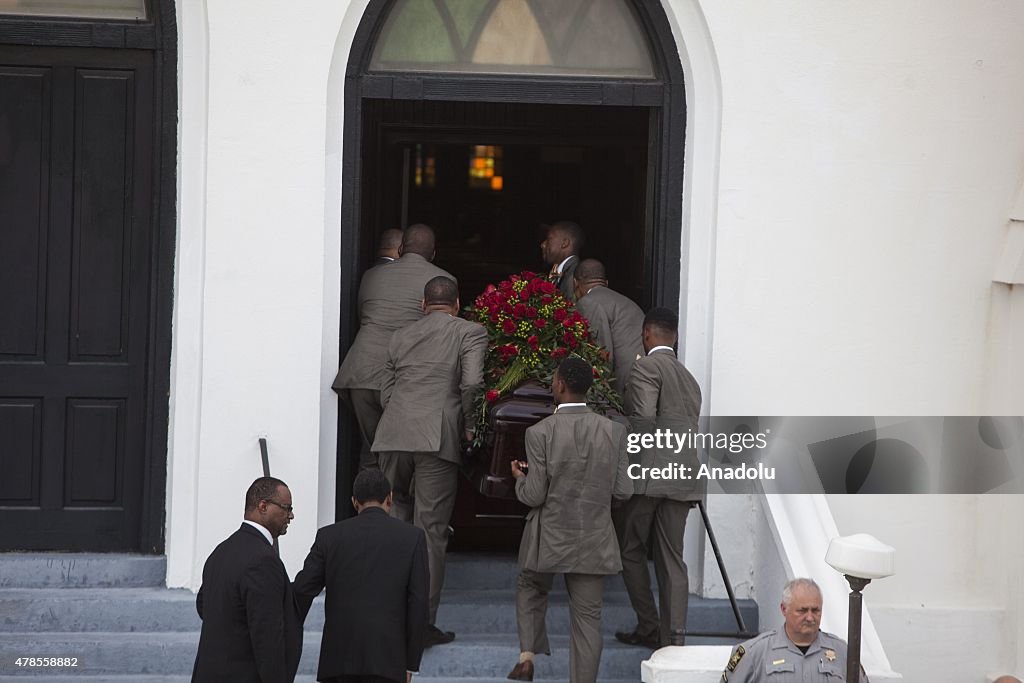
554	275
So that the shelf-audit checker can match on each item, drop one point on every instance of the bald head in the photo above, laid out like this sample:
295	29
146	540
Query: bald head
440	290
419	239
441	294
589	274
589	270
1007	679
390	241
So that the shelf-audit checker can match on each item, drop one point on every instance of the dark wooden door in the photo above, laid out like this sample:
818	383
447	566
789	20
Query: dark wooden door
76	204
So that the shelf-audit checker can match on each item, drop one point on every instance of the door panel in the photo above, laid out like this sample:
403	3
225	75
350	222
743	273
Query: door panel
102	219
76	141
21	433
24	159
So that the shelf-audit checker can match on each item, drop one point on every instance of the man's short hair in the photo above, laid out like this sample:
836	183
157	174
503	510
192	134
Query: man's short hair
791	586
573	231
371	486
577	375
264	488
418	239
390	239
590	269
663	320
440	290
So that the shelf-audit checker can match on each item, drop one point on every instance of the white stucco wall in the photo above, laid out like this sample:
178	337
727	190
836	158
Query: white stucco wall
953	609
250	271
871	152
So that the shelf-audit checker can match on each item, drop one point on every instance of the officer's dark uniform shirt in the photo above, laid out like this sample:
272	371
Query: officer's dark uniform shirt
772	658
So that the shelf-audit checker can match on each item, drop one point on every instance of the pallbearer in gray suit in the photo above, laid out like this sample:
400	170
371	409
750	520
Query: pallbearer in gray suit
390	298
389	247
615	320
576	464
433	374
661	394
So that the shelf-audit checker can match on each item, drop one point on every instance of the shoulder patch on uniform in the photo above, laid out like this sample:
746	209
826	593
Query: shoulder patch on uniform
735	659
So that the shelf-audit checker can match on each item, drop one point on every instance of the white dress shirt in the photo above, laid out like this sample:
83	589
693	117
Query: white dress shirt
261	529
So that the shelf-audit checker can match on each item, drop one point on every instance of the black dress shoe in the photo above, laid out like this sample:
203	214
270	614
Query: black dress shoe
634	638
523	671
436	636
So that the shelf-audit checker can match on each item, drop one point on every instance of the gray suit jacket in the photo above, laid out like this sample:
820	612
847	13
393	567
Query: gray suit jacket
618	325
433	374
577	465
389	299
663	394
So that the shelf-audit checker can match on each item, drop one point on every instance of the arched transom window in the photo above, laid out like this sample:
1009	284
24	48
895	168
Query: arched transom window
536	37
133	10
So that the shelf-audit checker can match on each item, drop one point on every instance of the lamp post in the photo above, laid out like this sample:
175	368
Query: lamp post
860	558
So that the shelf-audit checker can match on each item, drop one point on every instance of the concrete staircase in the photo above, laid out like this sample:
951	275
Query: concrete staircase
113	613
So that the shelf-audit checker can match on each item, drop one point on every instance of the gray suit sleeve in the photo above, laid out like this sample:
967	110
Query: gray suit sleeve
390	373
599	325
642	391
472	381
623	489
532	490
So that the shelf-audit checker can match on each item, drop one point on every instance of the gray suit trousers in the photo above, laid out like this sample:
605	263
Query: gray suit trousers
433	503
585	596
365	406
659	523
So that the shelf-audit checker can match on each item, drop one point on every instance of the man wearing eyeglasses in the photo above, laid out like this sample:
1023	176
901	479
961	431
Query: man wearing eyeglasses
251	632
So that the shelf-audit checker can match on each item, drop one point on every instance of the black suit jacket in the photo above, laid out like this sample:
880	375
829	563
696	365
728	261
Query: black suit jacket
375	570
251	631
565	283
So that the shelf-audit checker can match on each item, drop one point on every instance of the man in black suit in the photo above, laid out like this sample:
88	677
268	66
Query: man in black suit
561	250
375	570
251	632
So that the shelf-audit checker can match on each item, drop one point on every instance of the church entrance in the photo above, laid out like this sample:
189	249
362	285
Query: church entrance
489	121
488	177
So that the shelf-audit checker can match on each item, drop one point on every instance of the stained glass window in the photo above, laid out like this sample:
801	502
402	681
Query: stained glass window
426	167
557	37
485	167
92	9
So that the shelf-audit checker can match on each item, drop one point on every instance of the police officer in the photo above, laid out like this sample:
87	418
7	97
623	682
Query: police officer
799	652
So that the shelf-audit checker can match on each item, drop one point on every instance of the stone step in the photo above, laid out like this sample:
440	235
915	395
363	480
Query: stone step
494	612
81	570
465	571
497	571
161	609
172	654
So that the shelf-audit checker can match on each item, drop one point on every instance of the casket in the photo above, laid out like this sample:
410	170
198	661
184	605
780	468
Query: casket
491	469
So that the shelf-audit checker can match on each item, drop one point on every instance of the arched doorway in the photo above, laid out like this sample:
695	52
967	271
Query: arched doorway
576	109
88	103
